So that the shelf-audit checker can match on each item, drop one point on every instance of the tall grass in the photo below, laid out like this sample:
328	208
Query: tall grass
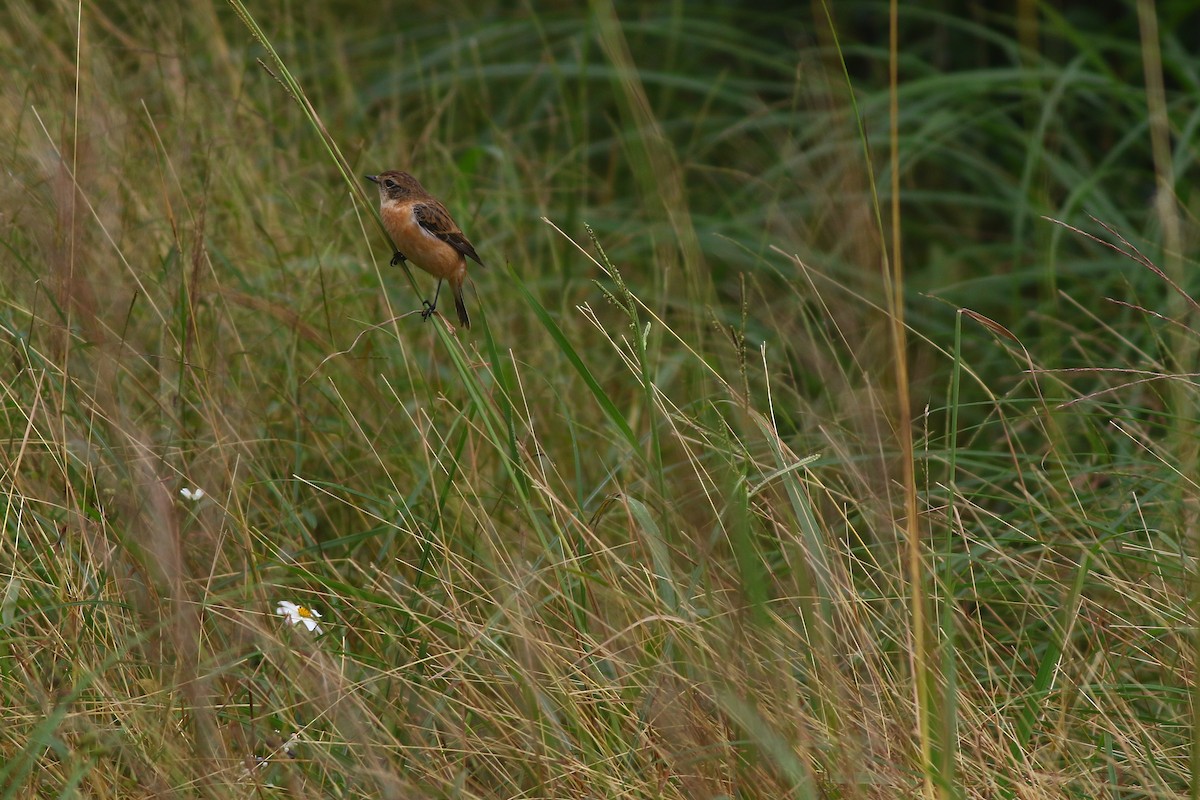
641	532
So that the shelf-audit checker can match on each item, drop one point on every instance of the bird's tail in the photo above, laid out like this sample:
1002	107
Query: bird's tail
461	307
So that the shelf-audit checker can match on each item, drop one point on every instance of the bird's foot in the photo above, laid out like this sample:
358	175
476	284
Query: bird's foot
427	309
398	258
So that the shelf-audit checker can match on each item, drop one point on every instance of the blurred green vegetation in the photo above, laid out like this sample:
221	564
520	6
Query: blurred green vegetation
642	531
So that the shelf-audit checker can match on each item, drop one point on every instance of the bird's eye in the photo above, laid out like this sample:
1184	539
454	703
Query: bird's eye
389	183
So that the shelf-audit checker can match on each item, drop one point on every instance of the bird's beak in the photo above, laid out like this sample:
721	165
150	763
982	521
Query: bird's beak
373	178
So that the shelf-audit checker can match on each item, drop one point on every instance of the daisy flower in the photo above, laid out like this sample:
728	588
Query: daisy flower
300	615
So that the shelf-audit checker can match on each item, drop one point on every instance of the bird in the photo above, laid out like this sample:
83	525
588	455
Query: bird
422	230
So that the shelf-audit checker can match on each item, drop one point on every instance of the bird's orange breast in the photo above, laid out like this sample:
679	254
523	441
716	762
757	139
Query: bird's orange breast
424	249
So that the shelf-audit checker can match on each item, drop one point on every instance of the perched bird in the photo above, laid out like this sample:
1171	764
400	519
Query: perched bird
422	230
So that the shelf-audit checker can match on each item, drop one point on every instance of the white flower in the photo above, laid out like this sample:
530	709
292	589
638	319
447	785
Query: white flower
297	615
191	494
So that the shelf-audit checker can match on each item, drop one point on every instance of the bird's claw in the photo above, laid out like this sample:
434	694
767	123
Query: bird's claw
398	258
427	309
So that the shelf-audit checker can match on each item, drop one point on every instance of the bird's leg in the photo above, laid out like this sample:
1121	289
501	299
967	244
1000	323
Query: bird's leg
398	258
431	307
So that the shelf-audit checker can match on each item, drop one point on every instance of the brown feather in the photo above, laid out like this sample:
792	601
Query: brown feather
434	218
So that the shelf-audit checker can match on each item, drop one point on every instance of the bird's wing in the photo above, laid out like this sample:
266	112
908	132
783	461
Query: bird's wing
434	218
